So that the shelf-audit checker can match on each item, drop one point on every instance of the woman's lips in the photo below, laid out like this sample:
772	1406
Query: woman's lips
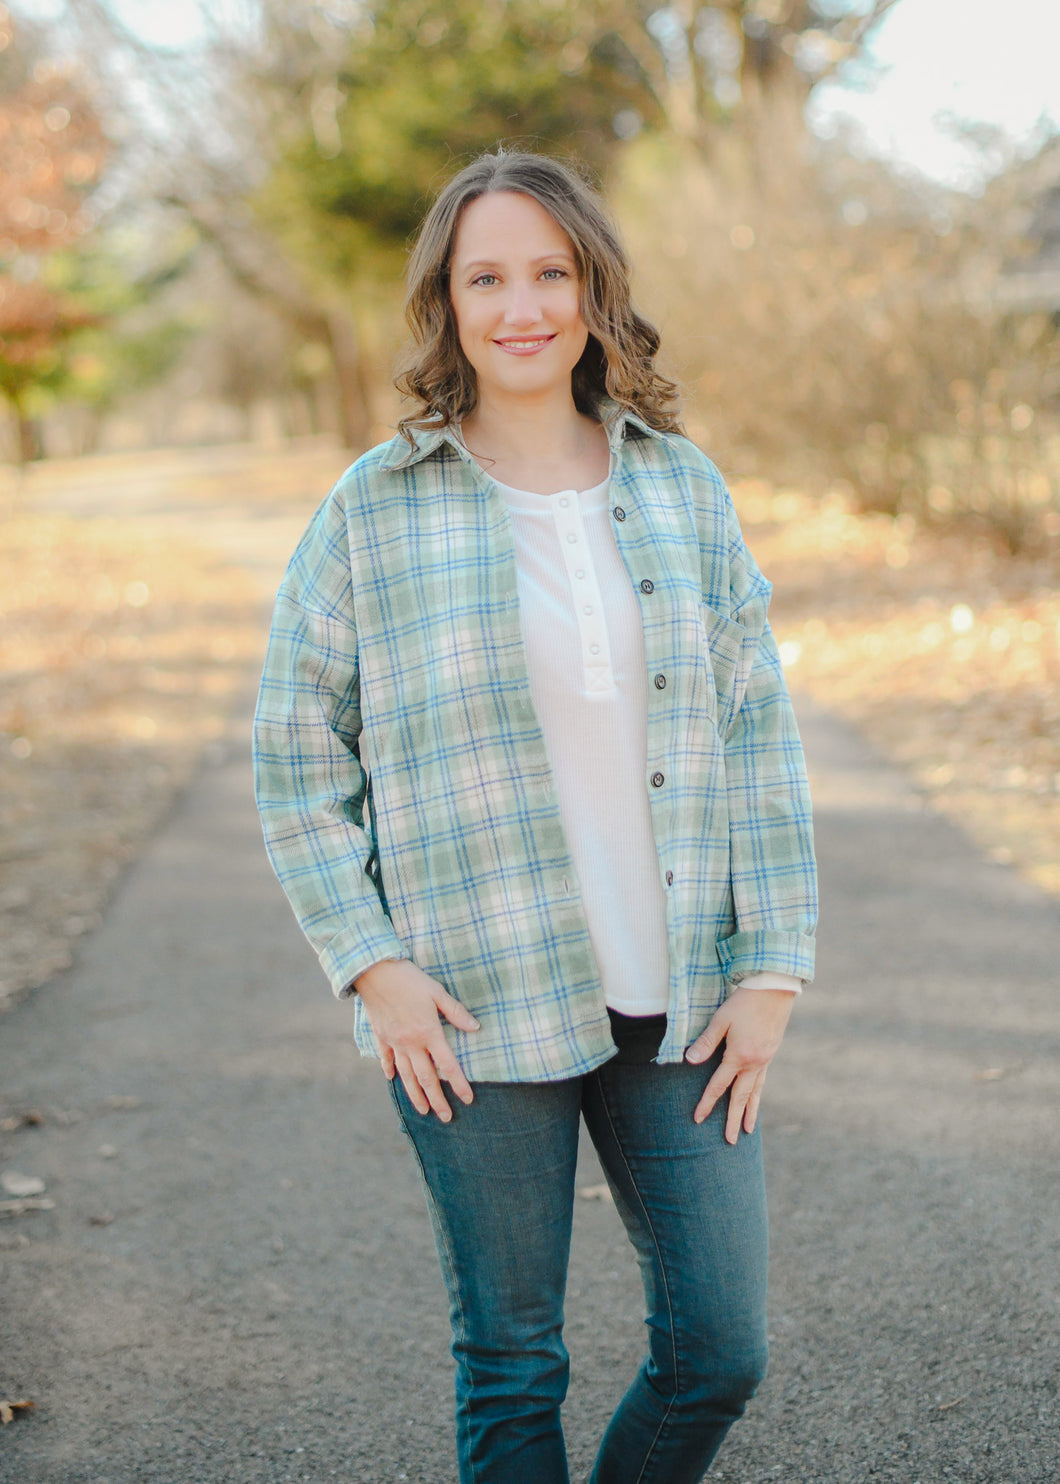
525	345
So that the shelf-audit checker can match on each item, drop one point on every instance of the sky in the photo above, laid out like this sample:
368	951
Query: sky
937	59
991	61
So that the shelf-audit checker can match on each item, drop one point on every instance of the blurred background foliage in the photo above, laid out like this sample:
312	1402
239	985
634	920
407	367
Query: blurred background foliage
205	241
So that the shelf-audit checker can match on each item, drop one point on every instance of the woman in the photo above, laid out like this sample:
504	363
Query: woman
529	774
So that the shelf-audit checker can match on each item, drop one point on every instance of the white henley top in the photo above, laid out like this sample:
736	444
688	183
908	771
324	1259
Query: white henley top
584	641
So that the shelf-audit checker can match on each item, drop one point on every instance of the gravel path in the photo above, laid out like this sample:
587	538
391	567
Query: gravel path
236	1280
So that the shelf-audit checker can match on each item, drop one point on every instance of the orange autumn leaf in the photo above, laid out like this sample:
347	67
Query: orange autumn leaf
8	1410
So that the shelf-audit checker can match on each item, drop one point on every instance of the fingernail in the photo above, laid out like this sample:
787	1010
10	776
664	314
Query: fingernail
693	1055
475	1025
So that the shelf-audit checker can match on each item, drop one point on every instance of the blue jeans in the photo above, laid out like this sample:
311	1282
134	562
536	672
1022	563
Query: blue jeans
500	1189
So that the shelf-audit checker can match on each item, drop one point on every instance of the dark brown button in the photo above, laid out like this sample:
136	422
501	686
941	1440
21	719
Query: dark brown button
669	878
619	513
647	586
657	780
660	682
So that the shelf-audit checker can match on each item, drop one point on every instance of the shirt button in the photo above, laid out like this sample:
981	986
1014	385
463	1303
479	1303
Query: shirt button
658	779
563	500
572	536
588	608
619	513
580	572
660	682
647	586
669	878
594	649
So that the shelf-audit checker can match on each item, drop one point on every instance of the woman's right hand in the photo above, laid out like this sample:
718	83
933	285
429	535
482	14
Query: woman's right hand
403	1005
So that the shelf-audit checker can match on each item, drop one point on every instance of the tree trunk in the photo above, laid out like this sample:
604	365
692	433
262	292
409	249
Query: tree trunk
257	265
355	417
29	438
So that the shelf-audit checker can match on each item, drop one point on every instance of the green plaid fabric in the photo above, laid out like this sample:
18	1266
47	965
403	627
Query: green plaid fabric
406	795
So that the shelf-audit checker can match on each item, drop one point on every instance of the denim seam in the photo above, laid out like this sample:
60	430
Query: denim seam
440	1227
643	1474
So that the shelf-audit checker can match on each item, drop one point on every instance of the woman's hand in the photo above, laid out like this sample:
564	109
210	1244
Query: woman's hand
751	1023
403	1005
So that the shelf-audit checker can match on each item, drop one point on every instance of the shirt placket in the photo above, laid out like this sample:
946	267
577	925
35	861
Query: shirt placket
585	592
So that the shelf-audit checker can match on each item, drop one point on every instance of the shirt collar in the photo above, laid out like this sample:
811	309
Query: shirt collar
616	419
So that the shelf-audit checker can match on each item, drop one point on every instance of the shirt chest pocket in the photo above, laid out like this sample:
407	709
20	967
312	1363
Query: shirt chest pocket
730	651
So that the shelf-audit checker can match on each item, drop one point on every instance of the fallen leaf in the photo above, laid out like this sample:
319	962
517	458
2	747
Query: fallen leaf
15	1183
23	1207
994	1074
8	1410
102	1218
32	1117
596	1193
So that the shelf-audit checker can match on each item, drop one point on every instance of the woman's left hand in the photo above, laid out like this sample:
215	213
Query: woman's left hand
751	1022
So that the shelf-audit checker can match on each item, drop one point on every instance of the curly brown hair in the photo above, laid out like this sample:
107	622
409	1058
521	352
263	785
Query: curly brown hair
619	356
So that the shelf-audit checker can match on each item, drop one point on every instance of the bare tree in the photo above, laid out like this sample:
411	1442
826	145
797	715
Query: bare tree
737	71
212	128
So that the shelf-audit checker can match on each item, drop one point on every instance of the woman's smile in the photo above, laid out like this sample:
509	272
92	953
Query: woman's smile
524	347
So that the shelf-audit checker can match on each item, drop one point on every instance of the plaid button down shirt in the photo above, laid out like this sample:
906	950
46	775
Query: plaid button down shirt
406	795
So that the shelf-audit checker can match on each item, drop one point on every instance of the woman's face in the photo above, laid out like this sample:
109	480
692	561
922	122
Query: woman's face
513	281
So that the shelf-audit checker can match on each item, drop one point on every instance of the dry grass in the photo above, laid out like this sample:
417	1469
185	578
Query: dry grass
120	648
877	348
943	650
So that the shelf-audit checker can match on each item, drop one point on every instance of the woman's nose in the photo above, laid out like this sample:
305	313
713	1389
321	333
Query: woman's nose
524	306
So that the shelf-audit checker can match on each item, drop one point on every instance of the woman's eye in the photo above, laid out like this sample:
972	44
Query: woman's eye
486	279
554	273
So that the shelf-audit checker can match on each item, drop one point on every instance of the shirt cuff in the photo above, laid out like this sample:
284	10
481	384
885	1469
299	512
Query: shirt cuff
770	979
351	988
763	951
346	956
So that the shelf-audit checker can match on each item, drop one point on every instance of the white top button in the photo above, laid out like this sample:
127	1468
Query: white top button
580	572
572	535
588	608
594	649
564	500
